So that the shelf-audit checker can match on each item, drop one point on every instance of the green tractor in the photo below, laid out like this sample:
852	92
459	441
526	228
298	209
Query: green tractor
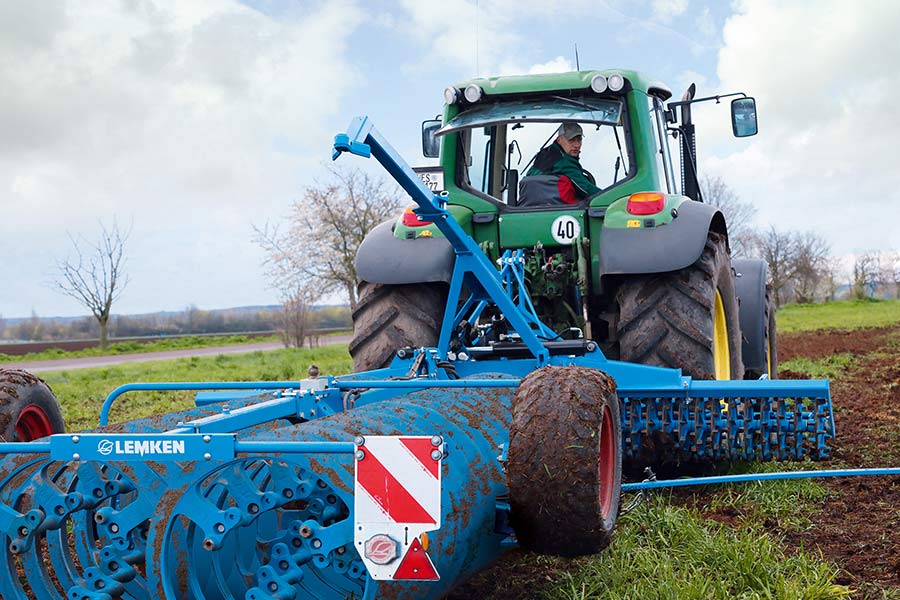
633	259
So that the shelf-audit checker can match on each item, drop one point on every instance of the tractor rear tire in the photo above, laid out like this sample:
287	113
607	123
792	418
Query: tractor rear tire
28	409
389	317
669	319
564	466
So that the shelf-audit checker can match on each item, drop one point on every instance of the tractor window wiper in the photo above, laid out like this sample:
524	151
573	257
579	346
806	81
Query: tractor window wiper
574	102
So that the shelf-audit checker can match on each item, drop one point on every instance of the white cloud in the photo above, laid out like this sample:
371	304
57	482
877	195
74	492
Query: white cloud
826	84
705	24
666	10
482	37
194	119
557	65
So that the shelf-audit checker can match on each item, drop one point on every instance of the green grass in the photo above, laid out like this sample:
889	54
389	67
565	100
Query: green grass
850	314
665	551
784	504
178	343
81	392
828	367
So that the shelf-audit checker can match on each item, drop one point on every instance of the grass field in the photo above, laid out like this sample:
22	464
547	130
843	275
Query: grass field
175	343
726	544
81	392
850	314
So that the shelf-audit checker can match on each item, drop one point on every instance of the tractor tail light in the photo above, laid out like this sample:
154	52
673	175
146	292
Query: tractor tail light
411	219
645	203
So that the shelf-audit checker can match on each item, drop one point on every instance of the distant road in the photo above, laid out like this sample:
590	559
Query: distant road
65	364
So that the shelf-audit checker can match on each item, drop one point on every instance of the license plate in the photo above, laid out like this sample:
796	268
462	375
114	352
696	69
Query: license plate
433	178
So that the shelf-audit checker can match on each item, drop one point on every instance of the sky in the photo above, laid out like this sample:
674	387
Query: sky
193	122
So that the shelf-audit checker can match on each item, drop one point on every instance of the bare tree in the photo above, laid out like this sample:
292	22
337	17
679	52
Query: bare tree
96	275
889	272
296	310
798	263
810	265
738	214
830	279
865	276
777	249
324	231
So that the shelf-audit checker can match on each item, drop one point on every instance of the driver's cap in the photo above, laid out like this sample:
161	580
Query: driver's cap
570	130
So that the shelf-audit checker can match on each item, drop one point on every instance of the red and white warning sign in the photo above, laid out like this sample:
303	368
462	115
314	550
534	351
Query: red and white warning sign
396	500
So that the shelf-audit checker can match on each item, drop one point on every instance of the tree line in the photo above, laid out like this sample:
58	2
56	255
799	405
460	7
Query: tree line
190	321
801	266
310	254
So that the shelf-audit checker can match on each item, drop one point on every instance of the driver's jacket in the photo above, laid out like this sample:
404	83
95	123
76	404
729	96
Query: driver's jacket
553	160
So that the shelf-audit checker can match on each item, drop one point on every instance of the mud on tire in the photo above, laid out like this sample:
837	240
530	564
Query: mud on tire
564	466
667	320
388	317
28	409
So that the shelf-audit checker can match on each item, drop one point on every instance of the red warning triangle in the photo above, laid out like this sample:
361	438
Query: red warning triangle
416	564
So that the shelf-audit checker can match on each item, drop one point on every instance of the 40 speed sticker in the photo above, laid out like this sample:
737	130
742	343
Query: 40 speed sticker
565	229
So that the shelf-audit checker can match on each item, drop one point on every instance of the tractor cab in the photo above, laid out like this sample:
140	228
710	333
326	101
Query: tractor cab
501	141
493	131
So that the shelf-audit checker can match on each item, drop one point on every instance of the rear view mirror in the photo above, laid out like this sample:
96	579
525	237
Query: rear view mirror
430	144
743	117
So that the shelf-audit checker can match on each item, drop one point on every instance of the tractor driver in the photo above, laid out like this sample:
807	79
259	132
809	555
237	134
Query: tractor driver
561	160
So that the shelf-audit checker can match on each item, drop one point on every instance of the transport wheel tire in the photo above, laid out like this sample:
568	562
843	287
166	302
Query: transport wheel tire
770	342
771	335
28	409
687	319
564	465
389	317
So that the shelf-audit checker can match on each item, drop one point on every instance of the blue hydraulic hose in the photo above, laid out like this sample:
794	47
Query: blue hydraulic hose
649	485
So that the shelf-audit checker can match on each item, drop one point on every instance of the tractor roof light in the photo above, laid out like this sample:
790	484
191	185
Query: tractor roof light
451	95
411	219
473	93
645	203
598	84
616	82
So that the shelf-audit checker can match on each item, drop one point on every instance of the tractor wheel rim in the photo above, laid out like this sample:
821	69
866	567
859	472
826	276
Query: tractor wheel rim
721	353
607	466
32	424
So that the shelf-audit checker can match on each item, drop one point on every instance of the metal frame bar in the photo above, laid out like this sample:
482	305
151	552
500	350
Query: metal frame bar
471	267
688	481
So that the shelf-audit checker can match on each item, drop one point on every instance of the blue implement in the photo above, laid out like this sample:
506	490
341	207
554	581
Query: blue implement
249	494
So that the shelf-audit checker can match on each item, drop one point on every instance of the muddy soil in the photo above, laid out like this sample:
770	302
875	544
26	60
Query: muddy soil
858	527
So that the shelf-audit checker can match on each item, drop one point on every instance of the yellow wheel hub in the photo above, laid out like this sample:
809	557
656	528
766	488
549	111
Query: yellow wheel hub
721	354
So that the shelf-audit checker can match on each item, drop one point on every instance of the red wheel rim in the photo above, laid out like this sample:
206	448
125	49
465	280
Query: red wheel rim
607	464
33	424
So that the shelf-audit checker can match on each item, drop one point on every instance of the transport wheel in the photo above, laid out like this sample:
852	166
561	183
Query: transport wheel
28	409
687	319
389	317
564	466
771	335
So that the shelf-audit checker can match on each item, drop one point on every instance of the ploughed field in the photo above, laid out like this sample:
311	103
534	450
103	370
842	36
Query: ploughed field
830	538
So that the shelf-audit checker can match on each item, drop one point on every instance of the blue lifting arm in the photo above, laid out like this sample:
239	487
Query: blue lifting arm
472	267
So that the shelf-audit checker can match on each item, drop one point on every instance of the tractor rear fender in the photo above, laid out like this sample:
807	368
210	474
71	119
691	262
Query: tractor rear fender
750	287
383	258
669	247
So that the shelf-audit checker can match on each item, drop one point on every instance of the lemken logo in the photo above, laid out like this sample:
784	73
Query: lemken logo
140	447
